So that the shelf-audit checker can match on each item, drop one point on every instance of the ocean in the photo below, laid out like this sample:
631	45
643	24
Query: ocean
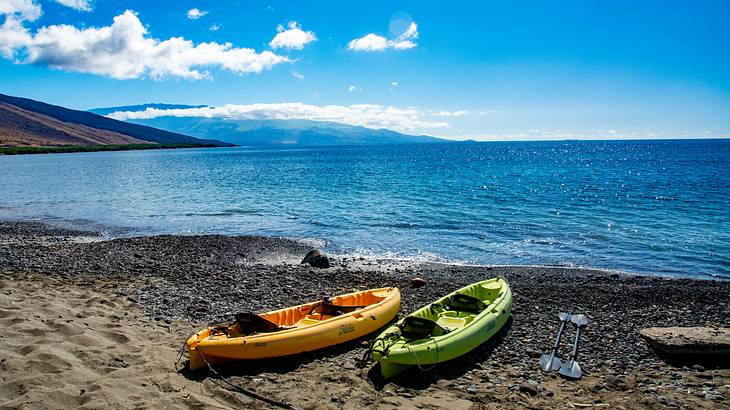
653	207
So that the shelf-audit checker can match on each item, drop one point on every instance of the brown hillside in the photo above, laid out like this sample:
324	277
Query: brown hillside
19	127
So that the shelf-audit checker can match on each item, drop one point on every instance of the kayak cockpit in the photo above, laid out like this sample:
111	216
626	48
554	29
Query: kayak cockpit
295	329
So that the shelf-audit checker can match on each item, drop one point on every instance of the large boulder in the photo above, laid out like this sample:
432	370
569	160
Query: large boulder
689	341
316	259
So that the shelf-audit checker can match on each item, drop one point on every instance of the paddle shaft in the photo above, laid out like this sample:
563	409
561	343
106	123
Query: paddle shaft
574	354
560	335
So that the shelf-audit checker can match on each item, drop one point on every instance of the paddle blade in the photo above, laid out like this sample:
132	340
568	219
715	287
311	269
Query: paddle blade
571	370
549	363
564	317
579	320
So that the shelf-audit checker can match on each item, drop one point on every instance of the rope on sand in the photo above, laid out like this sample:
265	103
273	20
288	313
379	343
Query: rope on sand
244	391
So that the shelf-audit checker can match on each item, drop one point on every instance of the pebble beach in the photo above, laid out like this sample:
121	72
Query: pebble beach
98	322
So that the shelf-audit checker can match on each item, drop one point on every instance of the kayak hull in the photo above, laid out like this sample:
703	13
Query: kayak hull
395	354
303	331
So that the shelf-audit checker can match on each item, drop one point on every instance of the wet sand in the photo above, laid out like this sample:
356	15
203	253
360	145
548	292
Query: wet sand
97	323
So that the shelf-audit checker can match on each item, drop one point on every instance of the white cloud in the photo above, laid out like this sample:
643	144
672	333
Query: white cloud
374	42
394	83
13	34
20	10
354	88
449	113
297	75
124	50
370	42
194	13
214	27
366	115
293	38
557	135
81	5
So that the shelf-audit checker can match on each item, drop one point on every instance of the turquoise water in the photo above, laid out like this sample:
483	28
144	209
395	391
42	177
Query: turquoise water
651	207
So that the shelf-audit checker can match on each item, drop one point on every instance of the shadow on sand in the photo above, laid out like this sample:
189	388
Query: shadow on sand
286	364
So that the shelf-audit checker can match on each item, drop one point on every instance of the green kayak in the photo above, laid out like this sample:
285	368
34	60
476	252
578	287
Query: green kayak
447	328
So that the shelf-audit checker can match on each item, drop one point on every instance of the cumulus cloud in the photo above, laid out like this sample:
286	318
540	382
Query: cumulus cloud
354	88
292	38
80	5
124	50
194	14
20	10
366	115
12	33
297	75
369	42
12	36
374	42
214	27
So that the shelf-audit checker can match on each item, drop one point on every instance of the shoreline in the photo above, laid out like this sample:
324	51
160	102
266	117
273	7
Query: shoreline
95	232
177	284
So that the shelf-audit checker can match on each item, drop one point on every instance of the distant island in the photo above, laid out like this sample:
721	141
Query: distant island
267	132
29	126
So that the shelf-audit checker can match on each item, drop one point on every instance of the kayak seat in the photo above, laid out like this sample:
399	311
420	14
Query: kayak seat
414	328
327	308
465	303
249	323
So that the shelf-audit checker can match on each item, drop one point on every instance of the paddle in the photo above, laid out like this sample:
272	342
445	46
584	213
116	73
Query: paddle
548	361
571	368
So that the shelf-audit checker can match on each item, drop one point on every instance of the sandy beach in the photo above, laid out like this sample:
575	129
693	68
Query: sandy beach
98	323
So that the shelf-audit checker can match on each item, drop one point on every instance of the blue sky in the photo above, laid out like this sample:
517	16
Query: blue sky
483	70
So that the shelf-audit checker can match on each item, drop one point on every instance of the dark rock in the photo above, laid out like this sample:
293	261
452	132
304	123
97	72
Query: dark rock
534	353
615	383
529	388
418	282
316	259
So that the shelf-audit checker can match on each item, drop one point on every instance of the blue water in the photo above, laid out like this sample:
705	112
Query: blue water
659	207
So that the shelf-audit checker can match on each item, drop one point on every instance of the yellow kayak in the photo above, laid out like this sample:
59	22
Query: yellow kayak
295	329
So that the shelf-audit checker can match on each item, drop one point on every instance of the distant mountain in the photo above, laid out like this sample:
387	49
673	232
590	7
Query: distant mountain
142	107
278	132
25	122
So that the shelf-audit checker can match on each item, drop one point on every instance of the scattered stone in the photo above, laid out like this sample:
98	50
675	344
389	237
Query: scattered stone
534	353
418	282
529	388
615	382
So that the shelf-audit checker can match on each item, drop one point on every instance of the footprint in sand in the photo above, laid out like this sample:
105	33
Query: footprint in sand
116	337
